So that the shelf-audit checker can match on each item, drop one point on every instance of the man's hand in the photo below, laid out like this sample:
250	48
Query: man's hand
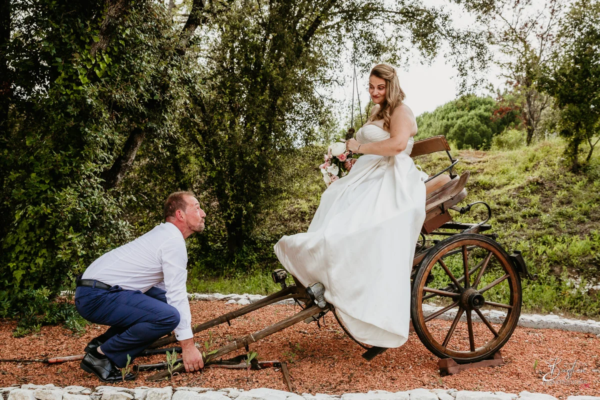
192	358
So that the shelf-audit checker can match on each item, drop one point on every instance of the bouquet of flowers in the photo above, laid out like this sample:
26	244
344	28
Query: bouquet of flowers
338	162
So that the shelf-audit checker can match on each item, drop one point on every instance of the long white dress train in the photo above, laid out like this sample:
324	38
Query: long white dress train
361	243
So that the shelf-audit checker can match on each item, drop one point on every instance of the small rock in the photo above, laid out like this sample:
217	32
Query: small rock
318	396
442	394
117	395
69	396
264	394
232	393
243	302
197	389
469	395
21	394
77	390
160	394
47	394
506	396
422	394
525	395
36	387
193	395
583	398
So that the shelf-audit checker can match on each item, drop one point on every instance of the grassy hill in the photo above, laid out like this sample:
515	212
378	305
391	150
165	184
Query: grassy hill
539	207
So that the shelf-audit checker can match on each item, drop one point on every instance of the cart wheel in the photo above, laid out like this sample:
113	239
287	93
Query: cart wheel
470	281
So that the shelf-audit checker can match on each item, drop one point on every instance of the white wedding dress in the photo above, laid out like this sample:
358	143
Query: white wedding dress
361	243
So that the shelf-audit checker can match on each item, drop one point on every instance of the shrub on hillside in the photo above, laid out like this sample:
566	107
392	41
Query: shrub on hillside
470	122
510	139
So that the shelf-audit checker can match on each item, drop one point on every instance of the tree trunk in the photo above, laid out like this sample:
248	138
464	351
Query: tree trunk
530	132
115	9
123	163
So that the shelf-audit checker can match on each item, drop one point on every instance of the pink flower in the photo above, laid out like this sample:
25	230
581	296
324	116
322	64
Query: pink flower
334	178
325	165
349	163
342	157
327	157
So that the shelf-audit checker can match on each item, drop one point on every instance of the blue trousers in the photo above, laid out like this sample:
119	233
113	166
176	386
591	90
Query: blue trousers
136	319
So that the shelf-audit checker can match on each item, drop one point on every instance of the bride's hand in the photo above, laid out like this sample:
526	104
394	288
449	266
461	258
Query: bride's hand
352	145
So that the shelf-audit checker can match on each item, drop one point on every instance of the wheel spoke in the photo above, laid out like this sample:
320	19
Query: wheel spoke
459	314
466	266
440	312
486	322
497	281
470	326
482	270
491	303
440	292
450	275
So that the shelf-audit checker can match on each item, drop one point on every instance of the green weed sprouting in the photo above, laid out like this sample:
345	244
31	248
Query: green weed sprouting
249	357
127	369
171	360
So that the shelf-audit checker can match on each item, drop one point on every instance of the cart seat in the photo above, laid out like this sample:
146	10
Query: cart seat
441	199
436	183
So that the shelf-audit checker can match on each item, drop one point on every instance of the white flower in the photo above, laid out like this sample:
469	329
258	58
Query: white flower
327	179
333	169
324	171
338	148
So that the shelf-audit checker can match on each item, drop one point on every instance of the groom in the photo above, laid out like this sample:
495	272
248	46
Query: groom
139	290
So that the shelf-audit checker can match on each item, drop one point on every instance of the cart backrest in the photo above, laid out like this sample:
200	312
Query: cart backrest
429	145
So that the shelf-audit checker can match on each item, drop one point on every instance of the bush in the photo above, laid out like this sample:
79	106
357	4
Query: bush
510	139
468	122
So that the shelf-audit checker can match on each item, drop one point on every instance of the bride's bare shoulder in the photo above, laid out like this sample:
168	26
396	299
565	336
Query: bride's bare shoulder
404	110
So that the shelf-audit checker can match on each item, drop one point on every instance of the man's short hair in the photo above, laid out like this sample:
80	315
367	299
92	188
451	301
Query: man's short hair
176	201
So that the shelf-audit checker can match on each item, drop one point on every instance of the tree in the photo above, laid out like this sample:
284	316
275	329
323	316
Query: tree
468	122
574	78
83	80
524	33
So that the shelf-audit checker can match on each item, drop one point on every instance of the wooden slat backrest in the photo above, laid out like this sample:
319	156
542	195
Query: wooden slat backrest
429	145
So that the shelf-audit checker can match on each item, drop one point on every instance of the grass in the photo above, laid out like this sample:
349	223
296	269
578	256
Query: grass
539	207
254	282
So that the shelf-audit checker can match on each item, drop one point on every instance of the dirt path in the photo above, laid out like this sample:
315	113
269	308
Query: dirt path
326	361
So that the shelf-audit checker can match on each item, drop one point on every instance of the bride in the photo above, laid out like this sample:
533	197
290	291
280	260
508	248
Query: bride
361	241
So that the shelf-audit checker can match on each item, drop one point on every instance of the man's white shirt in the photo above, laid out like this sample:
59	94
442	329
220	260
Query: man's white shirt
158	258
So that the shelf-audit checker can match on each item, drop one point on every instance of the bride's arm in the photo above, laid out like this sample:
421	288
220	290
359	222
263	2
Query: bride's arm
402	126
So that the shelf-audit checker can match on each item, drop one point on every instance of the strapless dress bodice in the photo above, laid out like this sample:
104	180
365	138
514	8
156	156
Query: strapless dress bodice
370	133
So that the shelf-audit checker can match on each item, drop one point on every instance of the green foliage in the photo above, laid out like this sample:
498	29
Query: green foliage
468	122
127	369
171	361
34	308
574	78
71	111
510	139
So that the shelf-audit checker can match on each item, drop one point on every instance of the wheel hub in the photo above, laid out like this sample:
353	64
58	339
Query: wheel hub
471	299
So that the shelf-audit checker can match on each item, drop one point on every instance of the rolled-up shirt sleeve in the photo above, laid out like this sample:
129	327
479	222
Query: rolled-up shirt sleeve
173	255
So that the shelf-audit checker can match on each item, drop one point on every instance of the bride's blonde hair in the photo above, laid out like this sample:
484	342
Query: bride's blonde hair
394	95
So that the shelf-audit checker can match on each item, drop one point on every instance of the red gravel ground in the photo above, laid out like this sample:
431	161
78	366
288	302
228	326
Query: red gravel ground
325	360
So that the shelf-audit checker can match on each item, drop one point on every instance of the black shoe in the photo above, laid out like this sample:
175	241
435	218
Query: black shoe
103	368
94	344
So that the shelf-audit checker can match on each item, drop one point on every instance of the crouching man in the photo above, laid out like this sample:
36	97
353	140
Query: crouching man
139	290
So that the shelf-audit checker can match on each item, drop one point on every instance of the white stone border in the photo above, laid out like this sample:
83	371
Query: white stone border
51	392
537	321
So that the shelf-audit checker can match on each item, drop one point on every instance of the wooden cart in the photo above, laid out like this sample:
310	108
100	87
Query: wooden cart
458	270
